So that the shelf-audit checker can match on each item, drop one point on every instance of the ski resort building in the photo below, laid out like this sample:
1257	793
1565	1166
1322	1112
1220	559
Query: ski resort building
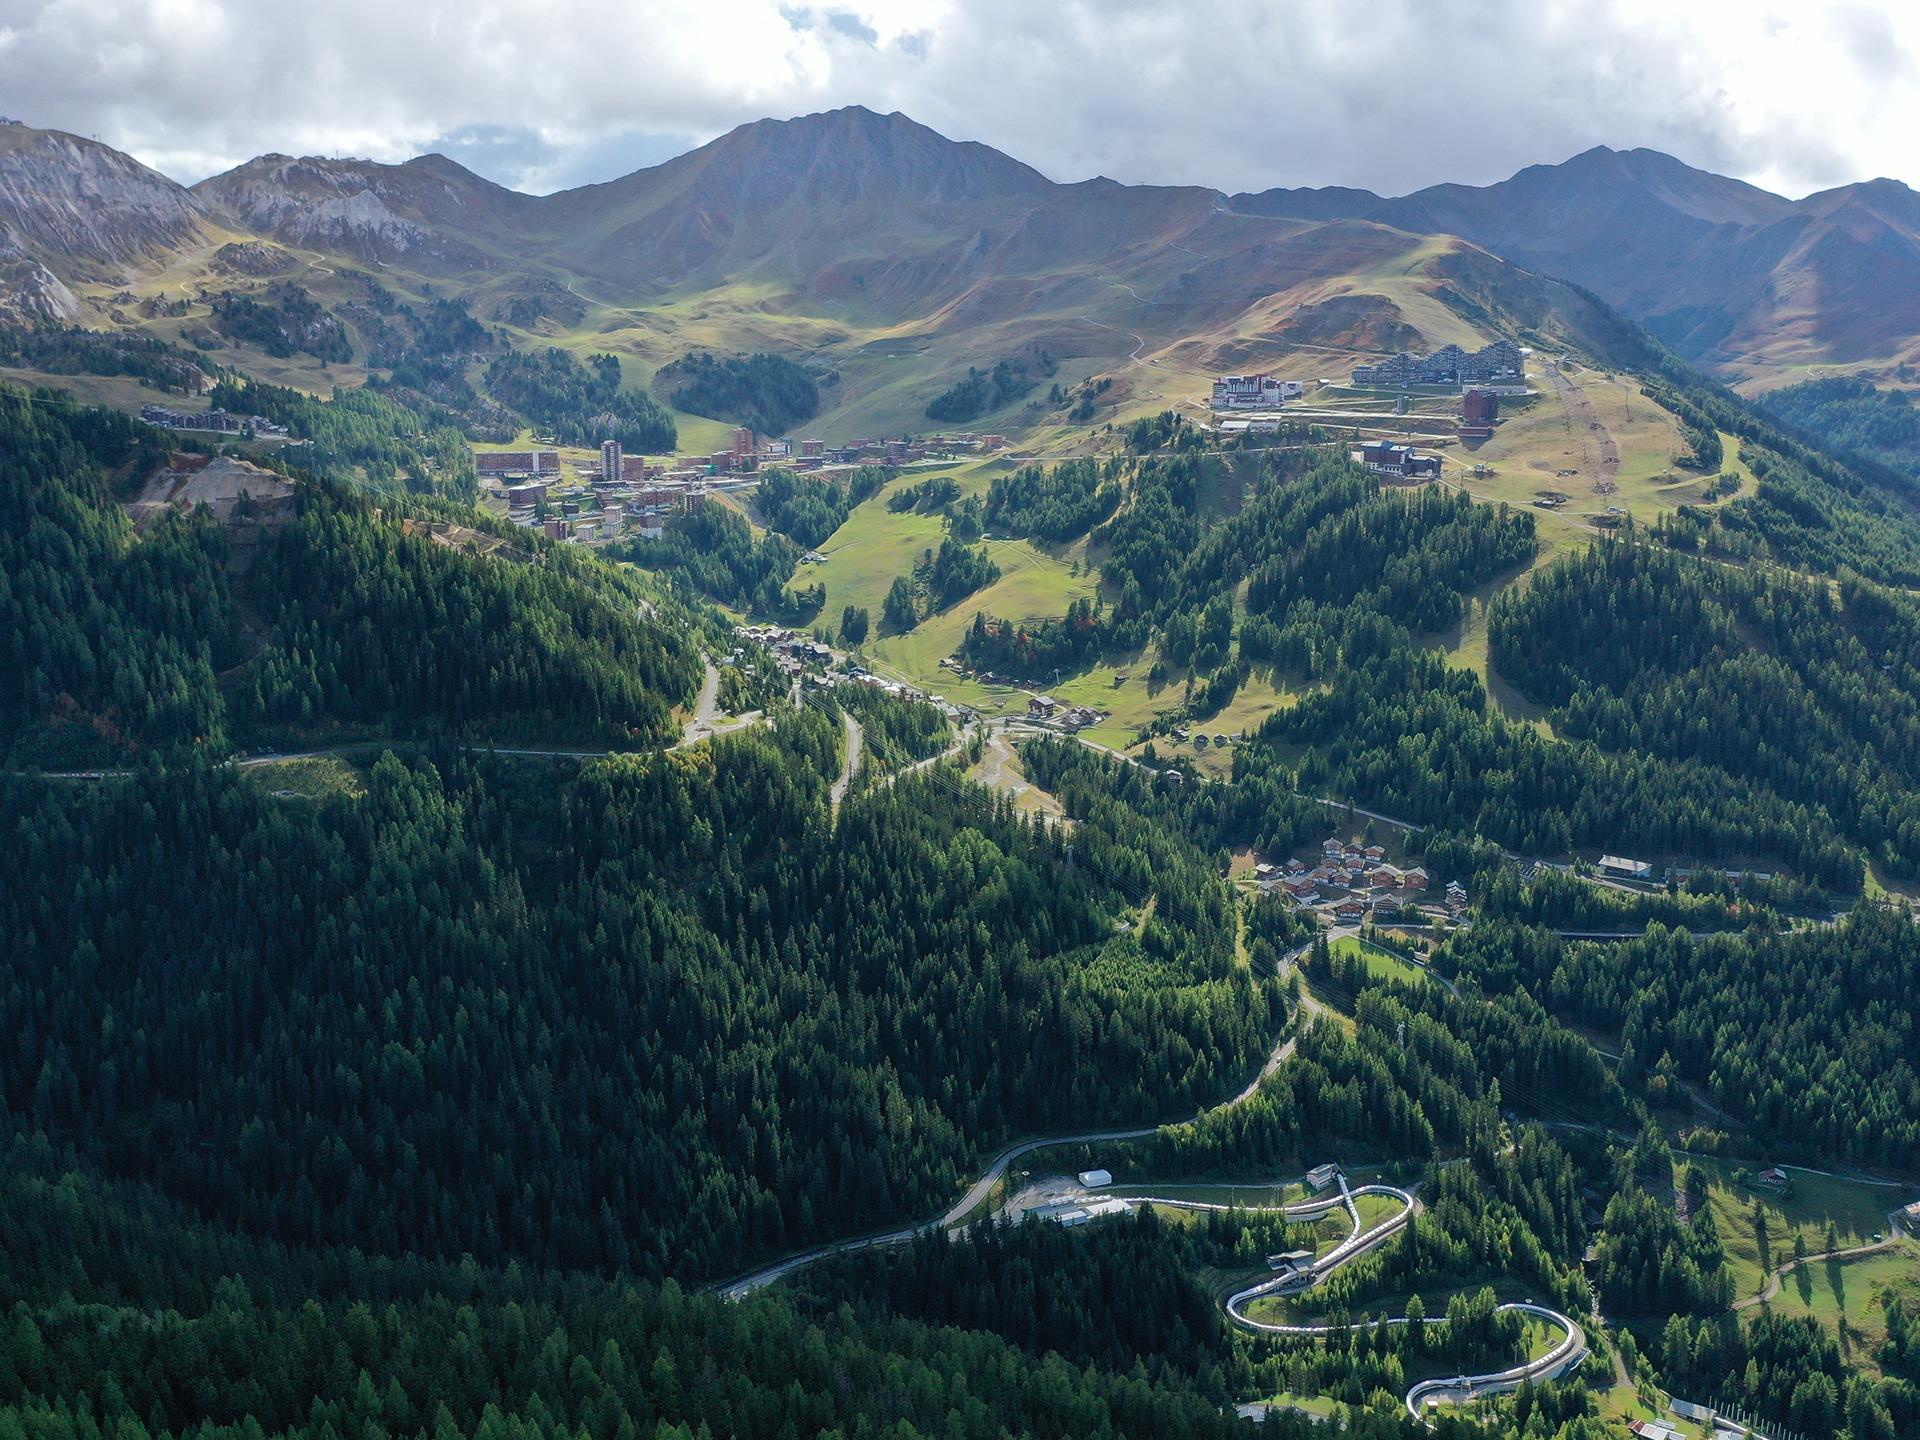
1403	462
1449	365
1254	392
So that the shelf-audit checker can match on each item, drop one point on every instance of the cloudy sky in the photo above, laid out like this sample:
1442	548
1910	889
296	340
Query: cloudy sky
1239	94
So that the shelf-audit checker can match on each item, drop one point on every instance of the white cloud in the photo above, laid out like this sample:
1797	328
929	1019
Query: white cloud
1390	95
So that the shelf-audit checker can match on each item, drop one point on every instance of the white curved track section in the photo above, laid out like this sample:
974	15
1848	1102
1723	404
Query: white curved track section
1566	1353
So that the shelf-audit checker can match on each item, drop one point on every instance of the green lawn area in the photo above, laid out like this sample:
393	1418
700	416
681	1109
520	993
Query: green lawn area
1848	1296
1374	1209
1623	1403
1535	440
1037	582
1209	1193
874	545
1380	963
698	435
1812	1202
1318	1405
310	777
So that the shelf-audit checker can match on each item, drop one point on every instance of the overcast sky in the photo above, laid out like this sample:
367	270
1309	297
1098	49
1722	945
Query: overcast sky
1239	94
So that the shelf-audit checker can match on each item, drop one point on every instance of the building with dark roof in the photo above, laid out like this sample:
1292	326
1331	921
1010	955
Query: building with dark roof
1449	365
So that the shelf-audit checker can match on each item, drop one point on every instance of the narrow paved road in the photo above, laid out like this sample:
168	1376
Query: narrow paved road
850	763
982	1187
703	724
705	720
961	739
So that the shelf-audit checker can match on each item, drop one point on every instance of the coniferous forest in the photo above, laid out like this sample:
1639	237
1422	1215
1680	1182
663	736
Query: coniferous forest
1328	850
339	616
441	1097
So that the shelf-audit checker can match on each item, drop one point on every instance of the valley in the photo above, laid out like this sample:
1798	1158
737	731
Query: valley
835	788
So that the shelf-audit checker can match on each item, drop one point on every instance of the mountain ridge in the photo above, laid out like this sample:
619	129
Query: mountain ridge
53	186
880	217
1726	272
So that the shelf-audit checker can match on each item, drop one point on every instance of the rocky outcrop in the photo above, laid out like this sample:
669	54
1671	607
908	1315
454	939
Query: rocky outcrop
85	210
28	290
428	211
255	258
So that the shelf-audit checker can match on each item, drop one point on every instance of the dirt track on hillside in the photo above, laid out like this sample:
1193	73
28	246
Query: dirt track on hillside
1599	451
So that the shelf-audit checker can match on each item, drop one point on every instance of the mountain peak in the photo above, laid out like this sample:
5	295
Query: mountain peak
72	199
428	208
831	161
857	151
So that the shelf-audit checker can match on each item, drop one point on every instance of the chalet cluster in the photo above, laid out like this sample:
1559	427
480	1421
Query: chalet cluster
1045	710
1355	883
816	665
216	422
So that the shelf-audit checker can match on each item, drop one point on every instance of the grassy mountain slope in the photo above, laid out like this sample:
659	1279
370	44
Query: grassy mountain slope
865	242
1729	274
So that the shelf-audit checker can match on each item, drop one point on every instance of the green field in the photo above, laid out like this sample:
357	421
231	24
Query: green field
1382	964
1601	415
313	777
1318	1406
1811	1203
1531	444
1291	1192
1037	582
875	545
1848	1297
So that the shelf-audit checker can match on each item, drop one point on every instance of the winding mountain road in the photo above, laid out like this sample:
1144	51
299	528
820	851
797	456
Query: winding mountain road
977	1193
705	722
1567	1353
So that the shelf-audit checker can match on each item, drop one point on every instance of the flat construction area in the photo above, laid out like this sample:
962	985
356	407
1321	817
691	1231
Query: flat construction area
999	769
218	485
